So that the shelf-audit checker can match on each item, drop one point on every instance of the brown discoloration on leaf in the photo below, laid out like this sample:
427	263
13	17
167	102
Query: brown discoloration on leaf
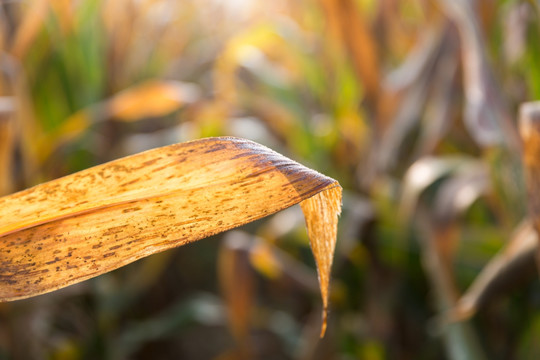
83	225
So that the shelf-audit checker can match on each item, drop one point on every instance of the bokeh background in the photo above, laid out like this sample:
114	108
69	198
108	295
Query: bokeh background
410	104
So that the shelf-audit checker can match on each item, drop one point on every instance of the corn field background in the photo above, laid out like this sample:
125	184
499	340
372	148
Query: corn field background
411	105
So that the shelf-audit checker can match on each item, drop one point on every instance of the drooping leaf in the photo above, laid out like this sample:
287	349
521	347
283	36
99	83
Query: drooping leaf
320	210
97	220
504	268
486	114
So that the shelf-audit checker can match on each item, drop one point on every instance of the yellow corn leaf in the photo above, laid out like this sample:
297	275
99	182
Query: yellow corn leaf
97	220
149	99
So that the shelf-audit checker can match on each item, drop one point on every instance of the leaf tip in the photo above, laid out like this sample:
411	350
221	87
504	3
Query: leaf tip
321	212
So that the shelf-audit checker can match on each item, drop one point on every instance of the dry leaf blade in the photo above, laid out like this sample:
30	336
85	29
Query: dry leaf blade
85	224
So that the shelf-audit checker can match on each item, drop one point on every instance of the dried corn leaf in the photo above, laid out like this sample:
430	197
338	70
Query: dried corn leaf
151	99
486	115
503	269
86	224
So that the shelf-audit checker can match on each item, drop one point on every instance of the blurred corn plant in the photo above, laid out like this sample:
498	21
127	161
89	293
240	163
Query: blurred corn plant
411	105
